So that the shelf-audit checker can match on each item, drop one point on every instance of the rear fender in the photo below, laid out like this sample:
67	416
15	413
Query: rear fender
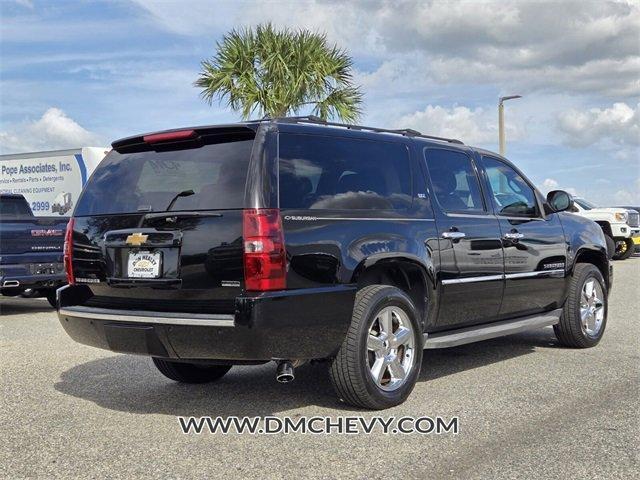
407	272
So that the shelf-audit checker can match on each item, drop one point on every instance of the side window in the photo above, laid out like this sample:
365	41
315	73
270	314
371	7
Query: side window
455	183
511	194
320	172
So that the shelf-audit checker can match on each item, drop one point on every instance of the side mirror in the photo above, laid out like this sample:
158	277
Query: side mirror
559	201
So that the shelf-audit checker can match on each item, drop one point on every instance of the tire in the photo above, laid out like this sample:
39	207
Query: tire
570	331
51	298
624	249
611	246
629	249
190	372
351	369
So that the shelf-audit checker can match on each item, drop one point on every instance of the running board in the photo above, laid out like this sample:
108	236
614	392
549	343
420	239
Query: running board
461	336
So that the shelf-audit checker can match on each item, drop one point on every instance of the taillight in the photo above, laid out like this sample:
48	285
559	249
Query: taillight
68	252
265	259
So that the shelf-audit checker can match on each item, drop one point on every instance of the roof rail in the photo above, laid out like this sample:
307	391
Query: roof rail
407	132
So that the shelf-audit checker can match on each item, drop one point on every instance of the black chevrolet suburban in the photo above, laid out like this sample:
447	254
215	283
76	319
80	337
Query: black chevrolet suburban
293	240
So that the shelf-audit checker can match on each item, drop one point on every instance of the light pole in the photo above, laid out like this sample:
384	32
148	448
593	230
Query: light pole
501	120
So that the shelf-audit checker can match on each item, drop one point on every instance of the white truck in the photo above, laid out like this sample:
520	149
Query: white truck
50	181
619	225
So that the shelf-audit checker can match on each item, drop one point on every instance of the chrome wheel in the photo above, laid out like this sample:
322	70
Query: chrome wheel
390	348
621	247
592	307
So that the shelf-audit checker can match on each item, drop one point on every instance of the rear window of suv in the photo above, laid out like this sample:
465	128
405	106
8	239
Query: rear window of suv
148	181
321	172
14	207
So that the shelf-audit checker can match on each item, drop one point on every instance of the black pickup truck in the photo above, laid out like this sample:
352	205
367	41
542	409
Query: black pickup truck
294	239
30	250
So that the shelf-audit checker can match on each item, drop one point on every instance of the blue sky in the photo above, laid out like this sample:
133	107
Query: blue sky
87	72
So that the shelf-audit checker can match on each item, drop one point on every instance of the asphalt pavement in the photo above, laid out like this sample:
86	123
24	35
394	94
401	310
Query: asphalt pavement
527	408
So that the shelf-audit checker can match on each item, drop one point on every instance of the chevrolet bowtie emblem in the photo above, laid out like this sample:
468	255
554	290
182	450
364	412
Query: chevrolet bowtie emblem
136	239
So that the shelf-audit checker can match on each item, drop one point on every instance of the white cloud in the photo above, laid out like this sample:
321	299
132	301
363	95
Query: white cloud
550	184
54	130
345	22
473	126
614	78
25	3
394	71
626	197
629	196
619	124
529	45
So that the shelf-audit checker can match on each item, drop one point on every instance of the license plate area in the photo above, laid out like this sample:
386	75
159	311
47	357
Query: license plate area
121	258
144	264
118	267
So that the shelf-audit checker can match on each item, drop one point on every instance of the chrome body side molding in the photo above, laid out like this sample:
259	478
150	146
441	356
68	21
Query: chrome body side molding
486	278
541	273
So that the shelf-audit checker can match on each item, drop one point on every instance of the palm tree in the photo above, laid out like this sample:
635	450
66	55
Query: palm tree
276	73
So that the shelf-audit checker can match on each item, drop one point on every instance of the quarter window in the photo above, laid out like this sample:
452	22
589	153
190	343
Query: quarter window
512	195
455	183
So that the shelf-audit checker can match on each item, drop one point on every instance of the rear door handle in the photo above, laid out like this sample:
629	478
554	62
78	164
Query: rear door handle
453	235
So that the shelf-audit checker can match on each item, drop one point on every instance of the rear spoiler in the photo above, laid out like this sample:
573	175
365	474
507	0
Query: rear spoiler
183	138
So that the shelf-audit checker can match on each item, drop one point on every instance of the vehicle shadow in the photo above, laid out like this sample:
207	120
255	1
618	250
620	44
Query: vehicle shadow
449	361
132	384
20	306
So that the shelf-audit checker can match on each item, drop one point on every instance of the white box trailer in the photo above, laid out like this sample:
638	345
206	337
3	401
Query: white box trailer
50	181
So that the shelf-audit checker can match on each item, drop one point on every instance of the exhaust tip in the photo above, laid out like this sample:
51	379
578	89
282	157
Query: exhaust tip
284	372
285	378
11	283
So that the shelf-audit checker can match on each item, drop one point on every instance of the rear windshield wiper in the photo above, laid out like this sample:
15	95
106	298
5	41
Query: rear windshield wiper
184	193
174	216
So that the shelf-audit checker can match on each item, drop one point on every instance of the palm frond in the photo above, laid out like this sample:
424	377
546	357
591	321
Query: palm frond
279	72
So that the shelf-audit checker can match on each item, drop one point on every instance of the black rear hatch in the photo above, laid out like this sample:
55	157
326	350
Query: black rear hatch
159	225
